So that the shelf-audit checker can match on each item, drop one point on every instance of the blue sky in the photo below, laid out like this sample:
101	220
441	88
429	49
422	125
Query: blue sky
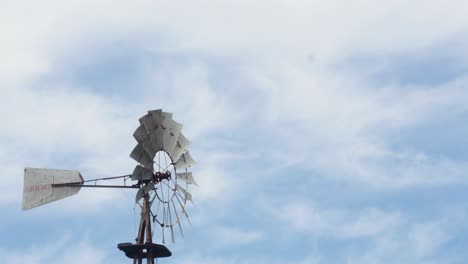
324	131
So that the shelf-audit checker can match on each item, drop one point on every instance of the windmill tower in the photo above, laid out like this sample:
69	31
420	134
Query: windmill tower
161	178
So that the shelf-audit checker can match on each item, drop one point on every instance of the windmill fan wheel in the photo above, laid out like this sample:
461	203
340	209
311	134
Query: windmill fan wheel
162	171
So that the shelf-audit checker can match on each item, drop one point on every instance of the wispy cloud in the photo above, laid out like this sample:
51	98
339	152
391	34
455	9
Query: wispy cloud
64	250
229	236
303	216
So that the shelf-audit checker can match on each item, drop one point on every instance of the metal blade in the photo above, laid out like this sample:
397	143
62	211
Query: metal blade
148	147
177	219
142	138
181	147
183	209
154	119
156	138
172	233
170	221
171	134
143	191
140	134
166	116
187	177
164	223
187	195
148	123
141	173
185	161
140	155
157	117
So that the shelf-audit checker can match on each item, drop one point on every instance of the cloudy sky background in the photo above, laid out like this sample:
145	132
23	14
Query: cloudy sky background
324	131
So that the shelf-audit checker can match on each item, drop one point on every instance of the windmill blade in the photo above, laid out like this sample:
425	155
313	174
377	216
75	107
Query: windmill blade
149	149
165	116
152	123
143	139
181	147
143	191
187	177
148	122
140	134
164	222
170	221
171	134
164	134
157	116
141	173
183	209
177	219
38	188
172	233
140	155
187	195
185	161
154	119
159	130
156	138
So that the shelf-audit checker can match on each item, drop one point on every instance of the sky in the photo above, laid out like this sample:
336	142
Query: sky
324	131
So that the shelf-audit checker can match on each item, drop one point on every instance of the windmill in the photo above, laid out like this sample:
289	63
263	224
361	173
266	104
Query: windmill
161	178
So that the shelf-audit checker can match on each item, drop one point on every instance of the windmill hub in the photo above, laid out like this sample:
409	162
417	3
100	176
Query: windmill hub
160	176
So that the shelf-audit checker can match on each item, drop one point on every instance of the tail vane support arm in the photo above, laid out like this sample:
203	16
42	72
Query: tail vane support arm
80	183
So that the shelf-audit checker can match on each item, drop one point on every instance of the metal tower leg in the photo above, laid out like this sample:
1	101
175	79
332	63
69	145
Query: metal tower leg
144	249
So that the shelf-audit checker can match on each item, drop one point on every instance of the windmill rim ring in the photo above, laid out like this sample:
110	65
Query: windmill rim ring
162	183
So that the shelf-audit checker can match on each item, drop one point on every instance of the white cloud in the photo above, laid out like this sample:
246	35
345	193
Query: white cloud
342	117
230	236
61	251
34	32
341	224
199	259
428	237
392	237
341	125
408	246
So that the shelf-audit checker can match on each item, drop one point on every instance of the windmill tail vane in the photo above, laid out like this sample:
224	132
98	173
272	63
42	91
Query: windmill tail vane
162	191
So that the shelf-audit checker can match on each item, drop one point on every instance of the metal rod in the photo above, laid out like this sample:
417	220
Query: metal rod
94	186
108	178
